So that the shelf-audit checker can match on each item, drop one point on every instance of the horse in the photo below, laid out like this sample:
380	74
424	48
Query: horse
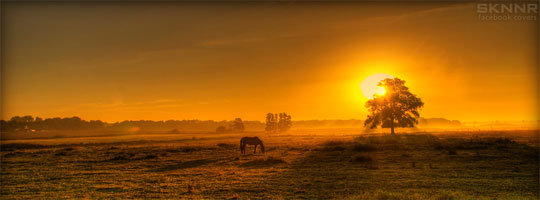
251	141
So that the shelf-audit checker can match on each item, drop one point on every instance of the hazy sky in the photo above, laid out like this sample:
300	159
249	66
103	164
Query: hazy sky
159	61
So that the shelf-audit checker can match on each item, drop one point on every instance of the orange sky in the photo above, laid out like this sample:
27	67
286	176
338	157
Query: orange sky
159	61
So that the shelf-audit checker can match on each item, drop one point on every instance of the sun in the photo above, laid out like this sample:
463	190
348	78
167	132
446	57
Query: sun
369	85
380	90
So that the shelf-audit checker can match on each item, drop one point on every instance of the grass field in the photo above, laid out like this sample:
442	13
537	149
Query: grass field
482	165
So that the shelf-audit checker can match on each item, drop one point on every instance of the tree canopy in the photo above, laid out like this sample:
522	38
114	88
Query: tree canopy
237	125
397	107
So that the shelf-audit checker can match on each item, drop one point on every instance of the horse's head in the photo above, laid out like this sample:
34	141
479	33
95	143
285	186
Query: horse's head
262	145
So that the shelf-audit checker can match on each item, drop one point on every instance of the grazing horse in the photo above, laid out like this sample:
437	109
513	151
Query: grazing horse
251	141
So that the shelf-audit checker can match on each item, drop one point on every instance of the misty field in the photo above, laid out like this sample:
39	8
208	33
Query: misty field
298	164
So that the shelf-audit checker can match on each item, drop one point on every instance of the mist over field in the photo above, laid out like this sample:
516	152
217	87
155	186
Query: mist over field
315	159
269	100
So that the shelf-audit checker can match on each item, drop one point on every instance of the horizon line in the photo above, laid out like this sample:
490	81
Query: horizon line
117	121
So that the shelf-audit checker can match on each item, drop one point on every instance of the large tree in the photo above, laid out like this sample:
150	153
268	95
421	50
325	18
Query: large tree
397	107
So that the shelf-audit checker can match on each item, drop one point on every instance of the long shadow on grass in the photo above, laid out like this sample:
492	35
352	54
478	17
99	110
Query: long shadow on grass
185	165
332	170
405	167
262	163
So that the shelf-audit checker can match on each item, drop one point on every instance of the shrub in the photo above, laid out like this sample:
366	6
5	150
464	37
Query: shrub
174	131
150	156
62	153
364	147
13	146
333	143
440	146
333	146
361	158
273	160
120	157
221	129
69	149
225	145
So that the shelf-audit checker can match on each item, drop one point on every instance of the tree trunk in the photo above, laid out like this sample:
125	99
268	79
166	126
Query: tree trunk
392	118
392	126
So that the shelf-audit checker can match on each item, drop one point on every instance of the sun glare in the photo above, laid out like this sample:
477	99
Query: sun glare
380	90
369	85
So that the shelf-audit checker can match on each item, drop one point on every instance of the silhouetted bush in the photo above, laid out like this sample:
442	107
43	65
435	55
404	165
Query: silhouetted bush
333	143
334	146
150	157
174	131
69	149
364	147
221	129
120	157
61	153
12	146
225	145
361	158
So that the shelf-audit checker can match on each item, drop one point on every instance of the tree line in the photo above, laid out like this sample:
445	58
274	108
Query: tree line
31	124
36	124
235	126
278	122
275	122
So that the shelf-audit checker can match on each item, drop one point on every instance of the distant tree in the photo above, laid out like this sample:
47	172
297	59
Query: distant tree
96	124
285	122
38	124
396	108
174	131
237	125
28	123
18	123
278	122
25	119
271	122
73	123
4	126
221	129
28	119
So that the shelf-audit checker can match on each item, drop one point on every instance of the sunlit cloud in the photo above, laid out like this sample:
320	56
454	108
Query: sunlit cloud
226	42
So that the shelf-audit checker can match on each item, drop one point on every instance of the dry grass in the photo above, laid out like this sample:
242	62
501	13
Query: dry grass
295	166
